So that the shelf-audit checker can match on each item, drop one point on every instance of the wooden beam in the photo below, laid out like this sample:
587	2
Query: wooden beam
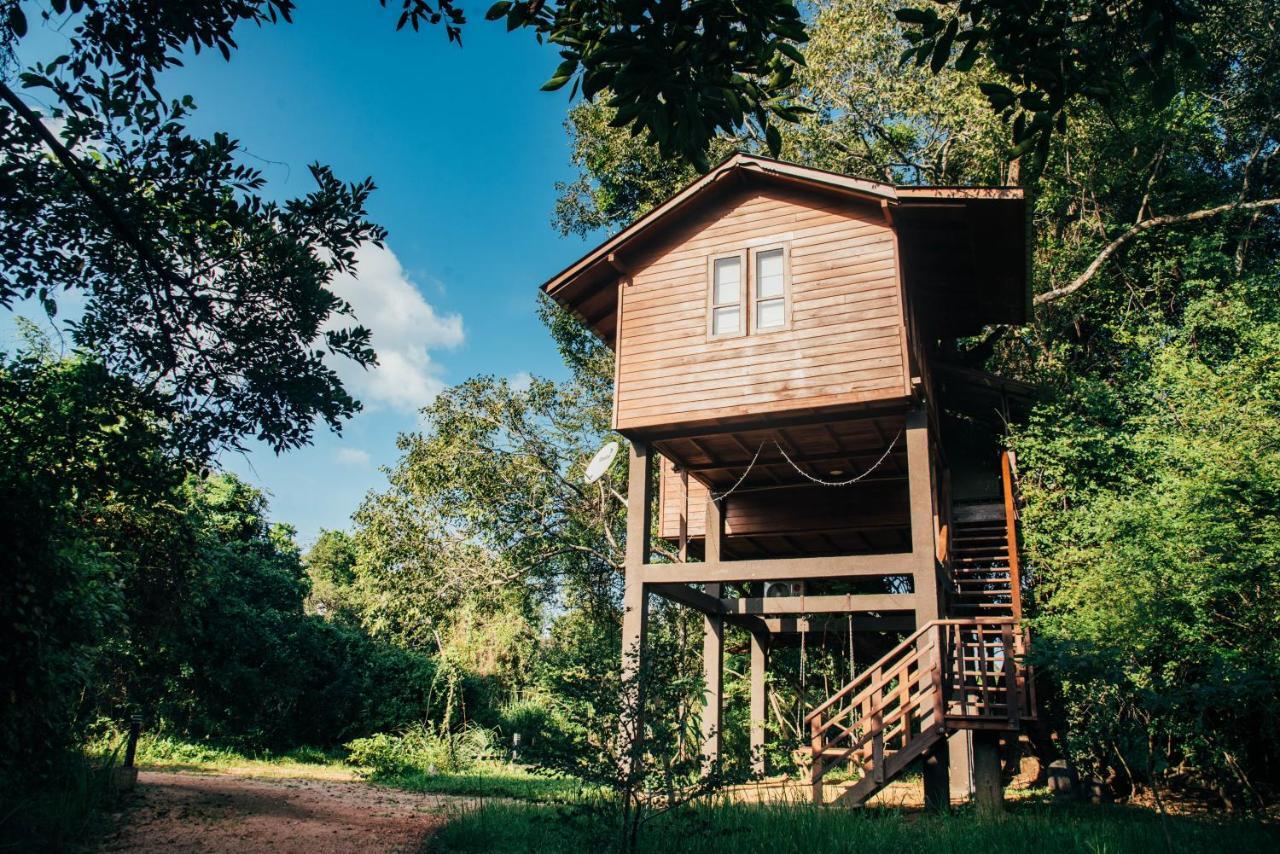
688	596
753	424
778	569
861	623
699	601
822	604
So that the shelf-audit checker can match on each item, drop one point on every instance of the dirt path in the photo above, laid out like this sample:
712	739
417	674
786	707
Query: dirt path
175	812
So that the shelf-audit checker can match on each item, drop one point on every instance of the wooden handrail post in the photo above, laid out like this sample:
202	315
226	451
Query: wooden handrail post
877	745
1012	688
816	769
939	686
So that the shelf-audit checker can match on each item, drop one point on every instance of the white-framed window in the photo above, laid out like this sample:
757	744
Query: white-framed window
726	300
771	289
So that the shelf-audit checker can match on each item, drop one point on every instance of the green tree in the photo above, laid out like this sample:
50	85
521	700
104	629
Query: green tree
84	462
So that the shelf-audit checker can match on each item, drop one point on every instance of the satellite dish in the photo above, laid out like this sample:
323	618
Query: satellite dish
600	462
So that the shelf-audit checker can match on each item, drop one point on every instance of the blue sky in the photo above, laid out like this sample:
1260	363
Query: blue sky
465	151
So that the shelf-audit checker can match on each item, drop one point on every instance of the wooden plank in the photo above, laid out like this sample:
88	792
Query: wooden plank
821	604
645	383
778	569
791	377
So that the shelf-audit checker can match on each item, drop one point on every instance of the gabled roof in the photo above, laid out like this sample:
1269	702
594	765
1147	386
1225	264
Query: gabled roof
588	286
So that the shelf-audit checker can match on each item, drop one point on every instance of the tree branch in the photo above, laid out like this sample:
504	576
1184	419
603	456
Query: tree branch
1138	228
104	205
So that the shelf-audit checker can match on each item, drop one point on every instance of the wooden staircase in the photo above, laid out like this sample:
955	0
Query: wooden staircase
948	675
985	575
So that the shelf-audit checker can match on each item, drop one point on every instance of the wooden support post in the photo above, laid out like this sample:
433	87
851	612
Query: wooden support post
960	748
988	789
759	710
937	777
715	531
635	601
937	762
684	516
920	487
713	677
713	650
816	747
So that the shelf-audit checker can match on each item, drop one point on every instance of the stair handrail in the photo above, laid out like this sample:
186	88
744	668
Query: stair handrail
873	668
869	673
876	684
1011	532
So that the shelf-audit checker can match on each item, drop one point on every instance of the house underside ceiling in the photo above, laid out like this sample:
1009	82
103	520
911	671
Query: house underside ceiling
777	507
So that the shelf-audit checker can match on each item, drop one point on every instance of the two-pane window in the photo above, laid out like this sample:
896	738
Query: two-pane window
736	304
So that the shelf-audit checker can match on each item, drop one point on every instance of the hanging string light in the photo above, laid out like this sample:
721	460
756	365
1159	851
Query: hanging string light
819	481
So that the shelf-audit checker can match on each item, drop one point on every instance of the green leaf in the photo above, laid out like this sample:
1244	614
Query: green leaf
1001	97
921	17
942	50
563	74
17	21
791	52
968	56
497	10
773	138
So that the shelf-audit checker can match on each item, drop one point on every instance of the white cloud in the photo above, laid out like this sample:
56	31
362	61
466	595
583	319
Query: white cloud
353	457
405	330
520	381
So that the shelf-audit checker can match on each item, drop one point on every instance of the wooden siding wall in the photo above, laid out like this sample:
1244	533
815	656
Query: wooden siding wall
672	501
844	343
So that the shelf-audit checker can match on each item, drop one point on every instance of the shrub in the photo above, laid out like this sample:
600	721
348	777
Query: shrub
423	748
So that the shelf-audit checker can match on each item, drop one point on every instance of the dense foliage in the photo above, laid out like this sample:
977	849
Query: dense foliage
135	584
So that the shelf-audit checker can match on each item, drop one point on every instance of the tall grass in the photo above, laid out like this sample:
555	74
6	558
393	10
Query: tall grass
61	813
163	752
781	829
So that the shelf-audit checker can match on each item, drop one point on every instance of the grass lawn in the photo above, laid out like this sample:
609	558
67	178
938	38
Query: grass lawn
1028	828
490	780
160	753
486	780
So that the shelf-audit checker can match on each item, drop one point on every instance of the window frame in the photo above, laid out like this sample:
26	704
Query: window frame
753	298
744	271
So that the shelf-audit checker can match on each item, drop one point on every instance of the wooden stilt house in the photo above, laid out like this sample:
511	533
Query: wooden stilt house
782	337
